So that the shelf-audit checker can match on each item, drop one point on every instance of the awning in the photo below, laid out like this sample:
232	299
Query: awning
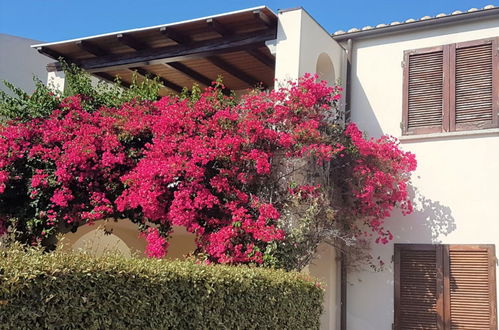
182	53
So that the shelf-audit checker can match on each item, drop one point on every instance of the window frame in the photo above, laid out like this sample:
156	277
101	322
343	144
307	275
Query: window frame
449	88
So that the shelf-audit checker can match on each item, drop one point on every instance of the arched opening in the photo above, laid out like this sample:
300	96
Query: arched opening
123	237
98	242
325	69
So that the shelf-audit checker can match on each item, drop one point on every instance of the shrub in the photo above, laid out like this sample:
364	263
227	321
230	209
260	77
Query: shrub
261	179
63	290
21	106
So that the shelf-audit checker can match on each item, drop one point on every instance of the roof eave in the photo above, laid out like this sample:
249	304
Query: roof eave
154	27
402	27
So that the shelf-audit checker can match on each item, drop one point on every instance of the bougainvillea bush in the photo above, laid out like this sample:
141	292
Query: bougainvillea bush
262	179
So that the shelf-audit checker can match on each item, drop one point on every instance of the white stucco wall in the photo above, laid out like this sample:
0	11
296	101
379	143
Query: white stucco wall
457	181
300	42
19	62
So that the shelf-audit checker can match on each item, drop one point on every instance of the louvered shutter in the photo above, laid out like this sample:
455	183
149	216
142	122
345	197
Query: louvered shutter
471	284
417	288
424	89
445	287
474	70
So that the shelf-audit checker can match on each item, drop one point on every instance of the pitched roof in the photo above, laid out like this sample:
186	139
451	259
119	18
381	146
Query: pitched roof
413	23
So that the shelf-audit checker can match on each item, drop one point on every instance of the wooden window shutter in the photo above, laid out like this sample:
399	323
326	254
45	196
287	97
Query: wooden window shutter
417	288
474	83
471	283
425	91
445	287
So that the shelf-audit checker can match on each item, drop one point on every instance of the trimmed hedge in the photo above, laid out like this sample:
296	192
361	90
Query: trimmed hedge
74	290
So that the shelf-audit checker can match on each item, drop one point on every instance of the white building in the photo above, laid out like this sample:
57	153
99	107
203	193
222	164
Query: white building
431	82
434	83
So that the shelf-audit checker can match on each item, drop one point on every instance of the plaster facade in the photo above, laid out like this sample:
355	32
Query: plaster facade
456	185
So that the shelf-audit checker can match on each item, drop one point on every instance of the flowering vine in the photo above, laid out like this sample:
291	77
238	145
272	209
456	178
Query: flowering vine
227	170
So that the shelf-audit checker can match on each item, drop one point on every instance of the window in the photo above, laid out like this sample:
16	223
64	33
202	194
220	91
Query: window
445	287
451	88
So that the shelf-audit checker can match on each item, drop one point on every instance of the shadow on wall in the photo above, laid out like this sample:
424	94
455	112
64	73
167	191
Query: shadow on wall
361	110
429	223
430	219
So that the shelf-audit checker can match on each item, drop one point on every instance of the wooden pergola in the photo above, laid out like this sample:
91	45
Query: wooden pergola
181	54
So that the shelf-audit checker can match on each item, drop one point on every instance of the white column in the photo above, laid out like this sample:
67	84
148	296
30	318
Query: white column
287	46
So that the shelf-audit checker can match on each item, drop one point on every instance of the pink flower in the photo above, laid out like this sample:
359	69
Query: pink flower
211	166
156	244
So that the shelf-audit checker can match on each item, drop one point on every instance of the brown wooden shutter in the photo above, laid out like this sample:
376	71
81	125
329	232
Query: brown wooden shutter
424	89
417	303
474	82
445	287
471	282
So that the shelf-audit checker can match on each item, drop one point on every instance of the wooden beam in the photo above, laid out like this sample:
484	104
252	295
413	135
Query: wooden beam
260	56
51	53
174	35
219	28
110	78
128	40
54	67
224	32
264	19
179	52
91	48
234	71
200	78
165	82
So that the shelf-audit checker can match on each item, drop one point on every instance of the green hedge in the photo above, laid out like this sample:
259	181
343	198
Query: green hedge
65	291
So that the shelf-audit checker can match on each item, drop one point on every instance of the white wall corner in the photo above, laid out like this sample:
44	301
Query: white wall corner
314	41
287	46
56	80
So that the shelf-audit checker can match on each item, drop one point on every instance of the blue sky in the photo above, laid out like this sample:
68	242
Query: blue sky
54	20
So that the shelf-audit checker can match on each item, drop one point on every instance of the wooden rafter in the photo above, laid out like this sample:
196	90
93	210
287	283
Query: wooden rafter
91	48
260	56
51	53
219	28
193	74
54	66
183	39
174	35
165	82
234	71
130	41
264	19
179	52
